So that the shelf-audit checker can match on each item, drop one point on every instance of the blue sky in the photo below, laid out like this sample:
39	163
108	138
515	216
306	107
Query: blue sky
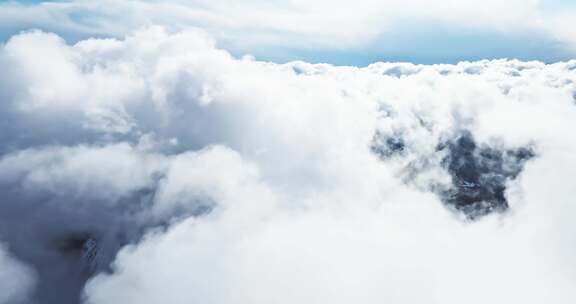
340	32
436	45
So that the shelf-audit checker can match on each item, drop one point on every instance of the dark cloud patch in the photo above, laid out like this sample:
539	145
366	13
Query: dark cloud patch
69	224
387	146
479	174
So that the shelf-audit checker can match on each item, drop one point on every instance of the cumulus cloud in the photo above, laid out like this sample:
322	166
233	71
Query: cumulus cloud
158	167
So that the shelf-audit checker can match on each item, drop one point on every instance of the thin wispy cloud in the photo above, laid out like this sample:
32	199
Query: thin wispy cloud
284	30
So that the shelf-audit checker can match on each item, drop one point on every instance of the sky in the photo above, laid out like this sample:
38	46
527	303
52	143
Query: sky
338	32
287	151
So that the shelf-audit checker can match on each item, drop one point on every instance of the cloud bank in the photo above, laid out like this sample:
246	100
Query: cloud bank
158	167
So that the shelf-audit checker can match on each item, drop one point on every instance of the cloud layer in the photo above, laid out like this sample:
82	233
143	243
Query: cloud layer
158	167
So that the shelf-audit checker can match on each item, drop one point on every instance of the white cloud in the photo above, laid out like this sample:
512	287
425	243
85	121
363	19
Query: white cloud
303	24
16	279
559	24
254	182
